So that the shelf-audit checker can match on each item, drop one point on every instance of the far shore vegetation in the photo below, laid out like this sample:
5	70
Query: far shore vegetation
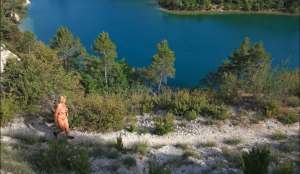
213	6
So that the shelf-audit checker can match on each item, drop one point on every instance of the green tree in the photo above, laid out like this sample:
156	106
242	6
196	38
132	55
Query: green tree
162	65
107	52
27	42
69	49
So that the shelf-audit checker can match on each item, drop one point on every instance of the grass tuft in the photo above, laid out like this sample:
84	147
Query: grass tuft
141	147
279	135
234	140
209	144
183	146
129	161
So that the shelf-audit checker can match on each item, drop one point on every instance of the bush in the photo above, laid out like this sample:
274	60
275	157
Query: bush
111	144
97	152
279	135
119	144
256	161
132	128
164	126
285	168
209	144
129	161
118	127
113	154
289	118
191	153
234	141
191	115
288	146
211	121
25	139
272	108
144	130
292	101
8	108
79	160
182	146
101	113
141	147
155	168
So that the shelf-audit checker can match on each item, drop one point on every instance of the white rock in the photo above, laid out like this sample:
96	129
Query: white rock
6	54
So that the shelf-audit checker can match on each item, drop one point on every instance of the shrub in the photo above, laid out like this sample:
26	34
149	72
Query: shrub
79	160
144	130
285	168
182	146
8	108
272	108
147	107
129	161
164	126
112	144
100	113
234	140
97	152
113	154
191	115
119	144
141	147
220	113
25	139
132	128
279	135
257	119
184	123
288	146
156	168
191	153
256	161
211	121
209	144
292	101
289	118
118	126
158	146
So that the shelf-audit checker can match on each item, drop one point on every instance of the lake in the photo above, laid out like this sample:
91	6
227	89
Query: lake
200	41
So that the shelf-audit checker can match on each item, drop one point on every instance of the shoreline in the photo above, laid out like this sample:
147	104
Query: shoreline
216	11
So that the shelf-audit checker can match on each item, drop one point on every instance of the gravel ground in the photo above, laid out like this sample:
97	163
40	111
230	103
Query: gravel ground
195	133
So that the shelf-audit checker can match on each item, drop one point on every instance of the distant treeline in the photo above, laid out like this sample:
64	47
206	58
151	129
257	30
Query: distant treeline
289	6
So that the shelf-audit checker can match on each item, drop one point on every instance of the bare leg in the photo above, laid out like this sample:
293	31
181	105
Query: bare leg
61	125
66	125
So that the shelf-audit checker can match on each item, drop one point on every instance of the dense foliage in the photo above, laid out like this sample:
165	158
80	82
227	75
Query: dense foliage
291	6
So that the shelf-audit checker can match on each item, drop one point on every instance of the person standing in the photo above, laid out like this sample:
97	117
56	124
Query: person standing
61	117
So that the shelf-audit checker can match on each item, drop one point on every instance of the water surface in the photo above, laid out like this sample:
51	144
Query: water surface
200	41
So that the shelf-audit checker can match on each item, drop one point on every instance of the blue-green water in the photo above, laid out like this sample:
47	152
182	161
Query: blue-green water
200	42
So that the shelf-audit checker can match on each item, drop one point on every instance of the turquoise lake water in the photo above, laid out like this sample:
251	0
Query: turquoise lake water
200	41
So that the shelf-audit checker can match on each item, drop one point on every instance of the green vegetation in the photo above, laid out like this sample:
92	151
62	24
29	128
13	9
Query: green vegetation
119	144
289	146
24	139
14	162
129	161
97	152
292	101
289	6
234	140
277	135
164	126
209	144
156	168
289	118
191	153
141	147
191	115
112	154
158	146
61	157
285	168
211	121
256	161
132	128
182	146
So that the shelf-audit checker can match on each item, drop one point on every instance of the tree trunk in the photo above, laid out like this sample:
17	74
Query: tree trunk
105	74
159	83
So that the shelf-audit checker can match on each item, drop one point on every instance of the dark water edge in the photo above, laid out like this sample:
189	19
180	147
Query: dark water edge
200	41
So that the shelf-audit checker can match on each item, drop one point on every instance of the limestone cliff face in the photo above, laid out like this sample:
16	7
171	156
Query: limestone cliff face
27	3
6	54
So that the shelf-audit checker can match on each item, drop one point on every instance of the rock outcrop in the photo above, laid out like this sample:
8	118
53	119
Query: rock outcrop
6	54
27	3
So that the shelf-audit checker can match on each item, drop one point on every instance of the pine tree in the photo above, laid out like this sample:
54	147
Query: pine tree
162	65
68	48
107	52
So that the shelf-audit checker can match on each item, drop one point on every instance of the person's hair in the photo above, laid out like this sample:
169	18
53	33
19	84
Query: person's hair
60	98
